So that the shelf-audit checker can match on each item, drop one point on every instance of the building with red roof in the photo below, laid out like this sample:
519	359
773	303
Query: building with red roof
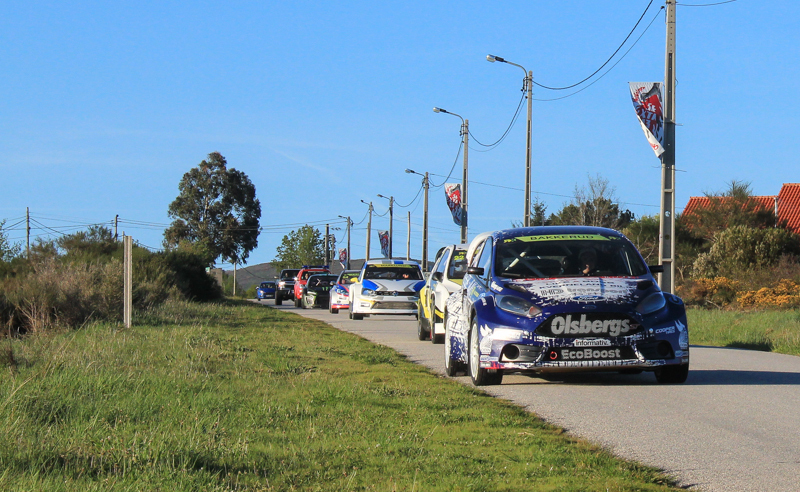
786	205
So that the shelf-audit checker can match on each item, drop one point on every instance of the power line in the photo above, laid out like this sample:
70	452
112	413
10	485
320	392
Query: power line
505	134
610	69
431	185
606	62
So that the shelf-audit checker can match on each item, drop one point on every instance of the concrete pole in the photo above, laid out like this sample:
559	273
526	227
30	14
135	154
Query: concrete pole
667	222
464	182
529	84
369	230
391	222
234	278
327	243
408	241
425	227
127	246
28	233
116	224
347	266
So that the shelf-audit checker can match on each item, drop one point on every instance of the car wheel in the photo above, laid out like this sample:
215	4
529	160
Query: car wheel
672	374
278	300
437	339
298	302
480	376
451	367
422	332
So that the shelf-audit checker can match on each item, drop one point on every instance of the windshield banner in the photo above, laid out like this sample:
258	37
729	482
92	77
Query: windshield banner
343	257
452	191
646	98
383	237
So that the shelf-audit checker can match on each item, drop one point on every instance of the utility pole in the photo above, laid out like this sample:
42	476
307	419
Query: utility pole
464	215
28	233
666	248
529	85
369	228
391	222
327	243
425	226
234	279
408	241
127	294
116	223
348	242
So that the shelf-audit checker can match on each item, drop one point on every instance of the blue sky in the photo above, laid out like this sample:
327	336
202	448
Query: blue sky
322	104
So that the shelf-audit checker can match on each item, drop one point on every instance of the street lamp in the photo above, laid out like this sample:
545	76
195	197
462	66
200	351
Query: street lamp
391	216
526	86
425	184
349	222
369	228
465	134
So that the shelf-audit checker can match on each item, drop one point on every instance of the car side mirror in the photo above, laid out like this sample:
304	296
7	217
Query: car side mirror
656	268
437	276
475	271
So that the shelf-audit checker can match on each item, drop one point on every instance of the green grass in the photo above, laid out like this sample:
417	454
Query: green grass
240	397
770	331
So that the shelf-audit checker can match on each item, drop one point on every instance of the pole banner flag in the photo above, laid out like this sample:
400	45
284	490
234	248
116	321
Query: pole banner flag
647	99
452	192
383	237
343	257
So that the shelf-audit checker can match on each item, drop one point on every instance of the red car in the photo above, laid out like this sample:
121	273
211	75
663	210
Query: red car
302	280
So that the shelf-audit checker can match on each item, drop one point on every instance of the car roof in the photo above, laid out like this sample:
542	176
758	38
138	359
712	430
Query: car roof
391	262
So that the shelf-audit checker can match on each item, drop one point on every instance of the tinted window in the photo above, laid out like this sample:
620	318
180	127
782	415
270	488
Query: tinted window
393	272
458	264
442	264
289	274
567	256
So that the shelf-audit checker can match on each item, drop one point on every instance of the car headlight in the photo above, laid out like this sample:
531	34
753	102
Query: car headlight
651	303
516	305
367	292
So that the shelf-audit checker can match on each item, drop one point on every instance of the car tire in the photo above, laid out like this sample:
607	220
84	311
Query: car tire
451	367
333	310
422	333
435	339
672	374
480	376
278	300
298	302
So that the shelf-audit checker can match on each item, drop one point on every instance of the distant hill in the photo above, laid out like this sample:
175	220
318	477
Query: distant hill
255	274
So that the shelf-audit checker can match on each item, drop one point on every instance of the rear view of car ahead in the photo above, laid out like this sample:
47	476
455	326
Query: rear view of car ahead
340	294
386	287
266	290
302	278
563	299
285	286
446	277
316	292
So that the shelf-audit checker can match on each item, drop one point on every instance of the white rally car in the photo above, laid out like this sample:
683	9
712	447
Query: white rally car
386	287
446	277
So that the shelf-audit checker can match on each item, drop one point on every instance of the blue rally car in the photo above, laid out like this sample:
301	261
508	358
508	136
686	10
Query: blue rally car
562	299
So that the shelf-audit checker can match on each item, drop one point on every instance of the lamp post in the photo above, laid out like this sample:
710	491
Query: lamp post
349	223
391	216
426	186
369	228
464	175
527	85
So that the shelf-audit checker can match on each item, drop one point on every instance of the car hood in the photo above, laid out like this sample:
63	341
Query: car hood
587	290
410	286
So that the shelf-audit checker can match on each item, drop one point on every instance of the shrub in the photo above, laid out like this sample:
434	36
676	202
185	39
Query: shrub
741	248
786	294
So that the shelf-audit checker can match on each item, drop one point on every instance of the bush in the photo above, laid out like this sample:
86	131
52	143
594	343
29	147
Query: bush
741	248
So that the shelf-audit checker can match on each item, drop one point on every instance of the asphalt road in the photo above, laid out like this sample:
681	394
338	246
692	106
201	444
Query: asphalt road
733	426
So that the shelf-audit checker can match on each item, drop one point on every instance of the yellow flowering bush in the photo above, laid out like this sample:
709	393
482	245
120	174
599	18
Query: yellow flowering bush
785	294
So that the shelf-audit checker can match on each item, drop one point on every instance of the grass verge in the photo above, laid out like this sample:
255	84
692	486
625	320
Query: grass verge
238	397
770	331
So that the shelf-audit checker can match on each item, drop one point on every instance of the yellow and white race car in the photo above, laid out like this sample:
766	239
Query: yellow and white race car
446	276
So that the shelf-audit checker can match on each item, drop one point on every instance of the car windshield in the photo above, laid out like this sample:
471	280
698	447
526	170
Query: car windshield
349	278
267	285
289	274
308	274
393	272
567	255
458	264
321	280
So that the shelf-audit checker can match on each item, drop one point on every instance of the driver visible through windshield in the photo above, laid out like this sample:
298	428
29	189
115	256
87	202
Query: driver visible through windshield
567	256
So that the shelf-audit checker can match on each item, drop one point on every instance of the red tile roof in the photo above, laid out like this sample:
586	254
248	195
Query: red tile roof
697	202
789	206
